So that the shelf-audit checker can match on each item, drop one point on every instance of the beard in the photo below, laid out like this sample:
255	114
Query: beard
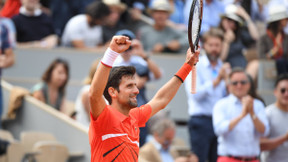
132	103
212	57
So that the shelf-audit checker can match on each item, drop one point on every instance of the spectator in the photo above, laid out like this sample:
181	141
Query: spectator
239	121
212	9
159	37
52	88
273	45
160	148
113	23
146	70
6	58
82	105
84	31
237	38
34	28
276	143
11	28
211	74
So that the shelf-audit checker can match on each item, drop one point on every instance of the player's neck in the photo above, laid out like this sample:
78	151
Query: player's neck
122	110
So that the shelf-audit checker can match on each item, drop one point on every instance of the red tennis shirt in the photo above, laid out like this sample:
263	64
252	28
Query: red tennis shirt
114	136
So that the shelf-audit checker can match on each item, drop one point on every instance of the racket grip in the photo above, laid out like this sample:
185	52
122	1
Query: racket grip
193	80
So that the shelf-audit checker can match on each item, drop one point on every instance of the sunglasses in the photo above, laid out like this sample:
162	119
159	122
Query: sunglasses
242	82
283	90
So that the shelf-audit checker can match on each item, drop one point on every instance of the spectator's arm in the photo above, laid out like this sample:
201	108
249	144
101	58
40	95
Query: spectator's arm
86	104
47	42
8	59
39	96
272	143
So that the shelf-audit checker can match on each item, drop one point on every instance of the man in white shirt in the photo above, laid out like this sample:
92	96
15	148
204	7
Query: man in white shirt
84	31
276	143
239	121
211	74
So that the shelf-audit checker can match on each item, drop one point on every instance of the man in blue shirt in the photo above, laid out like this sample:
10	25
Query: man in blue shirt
6	56
239	121
211	75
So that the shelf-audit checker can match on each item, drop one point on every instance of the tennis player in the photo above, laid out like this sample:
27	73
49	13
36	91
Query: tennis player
114	128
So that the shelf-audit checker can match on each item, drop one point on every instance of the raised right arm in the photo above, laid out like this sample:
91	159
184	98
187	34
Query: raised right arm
118	45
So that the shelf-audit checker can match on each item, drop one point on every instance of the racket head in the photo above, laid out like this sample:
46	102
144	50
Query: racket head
194	24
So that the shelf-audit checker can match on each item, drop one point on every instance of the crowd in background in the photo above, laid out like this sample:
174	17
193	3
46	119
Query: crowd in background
228	120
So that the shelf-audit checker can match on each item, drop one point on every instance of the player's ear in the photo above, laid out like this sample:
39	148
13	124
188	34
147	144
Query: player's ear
112	92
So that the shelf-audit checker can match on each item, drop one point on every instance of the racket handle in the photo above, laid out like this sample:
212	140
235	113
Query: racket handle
193	80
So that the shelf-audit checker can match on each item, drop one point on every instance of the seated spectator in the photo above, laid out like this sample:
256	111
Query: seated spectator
84	31
34	28
212	9
239	120
237	37
6	56
82	105
52	88
273	45
146	70
159	37
276	143
113	23
160	148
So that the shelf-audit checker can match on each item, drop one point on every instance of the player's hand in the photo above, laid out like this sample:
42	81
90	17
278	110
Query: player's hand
120	43
192	58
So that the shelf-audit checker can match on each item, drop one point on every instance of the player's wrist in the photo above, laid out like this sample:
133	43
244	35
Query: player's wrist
183	72
109	57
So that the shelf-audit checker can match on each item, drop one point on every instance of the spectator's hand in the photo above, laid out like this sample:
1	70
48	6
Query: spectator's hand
137	48
2	61
174	45
49	41
229	36
192	58
158	48
247	103
135	13
120	44
241	12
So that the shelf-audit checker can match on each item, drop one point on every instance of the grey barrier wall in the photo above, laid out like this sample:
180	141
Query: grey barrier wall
36	116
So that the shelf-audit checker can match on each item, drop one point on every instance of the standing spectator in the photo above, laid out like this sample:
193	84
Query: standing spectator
160	148
6	58
273	45
276	143
52	88
146	70
239	121
84	31
237	37
211	75
159	37
82	105
114	23
34	28
212	10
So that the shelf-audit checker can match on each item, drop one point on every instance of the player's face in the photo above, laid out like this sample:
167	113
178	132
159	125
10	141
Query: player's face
281	92
239	84
213	48
128	92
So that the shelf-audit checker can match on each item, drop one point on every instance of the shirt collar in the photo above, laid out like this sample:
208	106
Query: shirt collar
121	116
156	144
23	11
234	99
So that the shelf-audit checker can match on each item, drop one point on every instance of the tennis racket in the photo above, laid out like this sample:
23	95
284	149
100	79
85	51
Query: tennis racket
194	27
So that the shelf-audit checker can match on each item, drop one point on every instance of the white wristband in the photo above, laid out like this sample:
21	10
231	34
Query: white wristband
109	57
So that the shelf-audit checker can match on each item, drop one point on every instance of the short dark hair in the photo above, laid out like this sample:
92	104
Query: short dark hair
97	10
46	77
115	78
280	78
213	32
